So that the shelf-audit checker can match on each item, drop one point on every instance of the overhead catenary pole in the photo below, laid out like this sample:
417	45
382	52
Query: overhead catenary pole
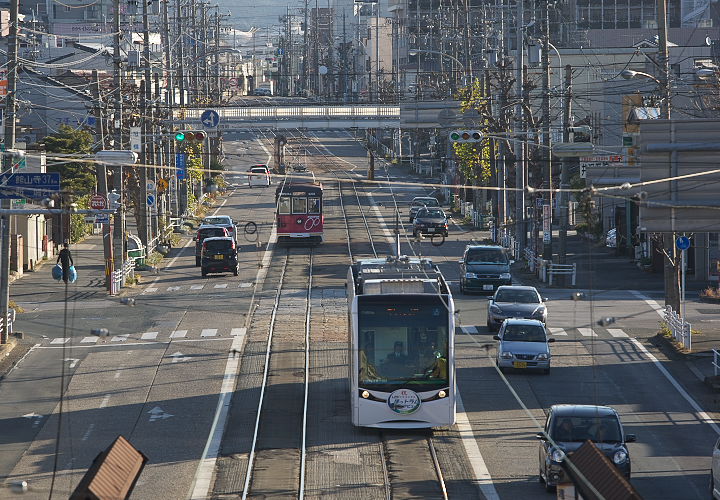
180	49
119	222
547	139
565	168
520	231
101	170
9	134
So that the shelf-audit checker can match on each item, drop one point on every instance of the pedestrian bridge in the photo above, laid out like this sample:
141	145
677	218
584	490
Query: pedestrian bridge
412	114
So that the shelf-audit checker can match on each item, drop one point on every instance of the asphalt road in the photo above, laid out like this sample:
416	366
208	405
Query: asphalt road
157	378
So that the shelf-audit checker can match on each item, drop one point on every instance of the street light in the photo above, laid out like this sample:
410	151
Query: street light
414	52
629	74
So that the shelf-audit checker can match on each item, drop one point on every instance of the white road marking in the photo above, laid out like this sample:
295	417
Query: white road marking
480	470
105	401
149	335
60	340
196	287
702	414
245	285
653	304
73	362
120	338
178	334
174	288
558	331
587	332
469	329
177	357
129	344
89	340
206	467
150	289
209	332
221	285
88	432
617	333
238	331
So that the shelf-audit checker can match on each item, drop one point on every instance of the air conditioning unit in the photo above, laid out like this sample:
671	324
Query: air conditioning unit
650	24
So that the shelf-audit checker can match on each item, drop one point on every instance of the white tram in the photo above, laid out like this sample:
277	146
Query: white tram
402	349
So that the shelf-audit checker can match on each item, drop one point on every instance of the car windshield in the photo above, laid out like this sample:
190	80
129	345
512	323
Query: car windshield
430	212
218	245
517	296
217	220
524	333
600	429
258	170
486	256
426	202
212	232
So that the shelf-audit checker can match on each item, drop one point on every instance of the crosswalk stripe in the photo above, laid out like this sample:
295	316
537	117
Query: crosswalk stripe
60	340
468	329
196	287
120	338
150	289
178	334
245	285
558	331
617	333
149	335
173	288
587	332
209	332
221	285
238	331
89	340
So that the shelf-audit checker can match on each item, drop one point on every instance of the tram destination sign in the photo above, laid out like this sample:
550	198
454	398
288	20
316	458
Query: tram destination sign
33	186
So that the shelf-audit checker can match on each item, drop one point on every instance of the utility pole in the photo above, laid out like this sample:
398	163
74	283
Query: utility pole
181	56
101	170
565	168
216	59
148	126
547	140
520	230
10	108
306	52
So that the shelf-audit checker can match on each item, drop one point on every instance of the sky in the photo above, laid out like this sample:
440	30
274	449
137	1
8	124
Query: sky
263	13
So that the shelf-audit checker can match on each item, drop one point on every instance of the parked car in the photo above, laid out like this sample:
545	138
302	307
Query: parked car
484	268
421	201
262	91
515	301
430	220
715	472
219	255
222	220
568	426
259	175
611	239
524	344
207	231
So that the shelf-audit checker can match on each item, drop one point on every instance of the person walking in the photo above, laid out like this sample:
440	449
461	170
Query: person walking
65	260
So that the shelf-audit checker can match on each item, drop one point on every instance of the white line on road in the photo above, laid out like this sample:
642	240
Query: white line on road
587	332
129	344
88	432
174	288
89	340
105	401
617	333
196	287
120	338
558	331
238	331
480	470
60	340
178	334
221	285
209	332
702	414
469	329
653	304
149	336
150	289
245	285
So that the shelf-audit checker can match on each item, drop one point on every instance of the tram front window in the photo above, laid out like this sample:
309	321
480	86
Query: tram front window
403	345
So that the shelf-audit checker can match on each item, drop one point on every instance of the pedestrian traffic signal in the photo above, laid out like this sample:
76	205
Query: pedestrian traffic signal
191	136
465	136
114	200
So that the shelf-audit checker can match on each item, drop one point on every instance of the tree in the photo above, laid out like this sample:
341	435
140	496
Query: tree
77	178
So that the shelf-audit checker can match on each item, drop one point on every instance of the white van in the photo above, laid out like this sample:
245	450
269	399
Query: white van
259	175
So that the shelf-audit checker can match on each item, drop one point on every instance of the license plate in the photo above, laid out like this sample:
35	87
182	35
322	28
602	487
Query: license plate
519	364
487	287
431	230
218	257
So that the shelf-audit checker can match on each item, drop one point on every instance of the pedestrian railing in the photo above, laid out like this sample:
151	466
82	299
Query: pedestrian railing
561	270
716	366
6	327
119	277
681	330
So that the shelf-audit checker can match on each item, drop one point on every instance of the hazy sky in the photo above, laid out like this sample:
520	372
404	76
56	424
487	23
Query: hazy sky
258	13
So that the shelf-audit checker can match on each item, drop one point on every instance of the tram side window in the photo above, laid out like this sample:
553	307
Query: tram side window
299	205
314	205
284	205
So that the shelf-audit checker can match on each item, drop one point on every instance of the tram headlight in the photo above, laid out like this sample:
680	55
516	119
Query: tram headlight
365	394
442	394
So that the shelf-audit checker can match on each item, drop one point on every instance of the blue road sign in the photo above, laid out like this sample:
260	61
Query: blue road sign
210	118
151	200
683	243
181	164
102	219
33	186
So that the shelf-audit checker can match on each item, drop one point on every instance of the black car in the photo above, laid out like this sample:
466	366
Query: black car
484	268
515	301
222	220
430	220
219	255
207	231
568	427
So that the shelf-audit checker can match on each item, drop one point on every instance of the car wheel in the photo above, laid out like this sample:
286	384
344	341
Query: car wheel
197	261
235	272
548	487
546	371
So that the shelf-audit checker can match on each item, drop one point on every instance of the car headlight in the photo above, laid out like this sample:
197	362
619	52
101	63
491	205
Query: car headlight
620	457
542	356
506	355
495	309
505	276
470	275
539	313
557	455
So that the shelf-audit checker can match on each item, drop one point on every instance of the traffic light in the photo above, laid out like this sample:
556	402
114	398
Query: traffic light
465	136
190	136
114	200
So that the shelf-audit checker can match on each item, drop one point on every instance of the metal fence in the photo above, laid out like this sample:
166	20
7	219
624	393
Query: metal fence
562	270
681	330
119	277
6	332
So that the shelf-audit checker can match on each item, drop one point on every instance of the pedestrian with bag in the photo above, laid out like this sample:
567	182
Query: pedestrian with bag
65	260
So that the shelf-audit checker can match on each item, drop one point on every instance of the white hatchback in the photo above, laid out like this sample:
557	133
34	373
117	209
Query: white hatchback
259	175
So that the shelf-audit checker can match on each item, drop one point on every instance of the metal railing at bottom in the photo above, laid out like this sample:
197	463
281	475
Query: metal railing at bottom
681	330
716	366
561	270
119	276
6	332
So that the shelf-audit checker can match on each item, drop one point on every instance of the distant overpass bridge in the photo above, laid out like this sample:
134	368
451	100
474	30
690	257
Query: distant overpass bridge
407	115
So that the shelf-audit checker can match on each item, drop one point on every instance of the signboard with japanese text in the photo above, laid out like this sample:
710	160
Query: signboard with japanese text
600	162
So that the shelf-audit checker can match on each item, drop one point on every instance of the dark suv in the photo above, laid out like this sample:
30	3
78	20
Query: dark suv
219	255
430	220
569	426
483	268
207	231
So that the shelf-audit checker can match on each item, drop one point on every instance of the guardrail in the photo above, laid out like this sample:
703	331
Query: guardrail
561	270
10	320
119	277
715	364
681	330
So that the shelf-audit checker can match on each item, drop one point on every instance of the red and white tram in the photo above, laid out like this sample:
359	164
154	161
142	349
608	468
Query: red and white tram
299	212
